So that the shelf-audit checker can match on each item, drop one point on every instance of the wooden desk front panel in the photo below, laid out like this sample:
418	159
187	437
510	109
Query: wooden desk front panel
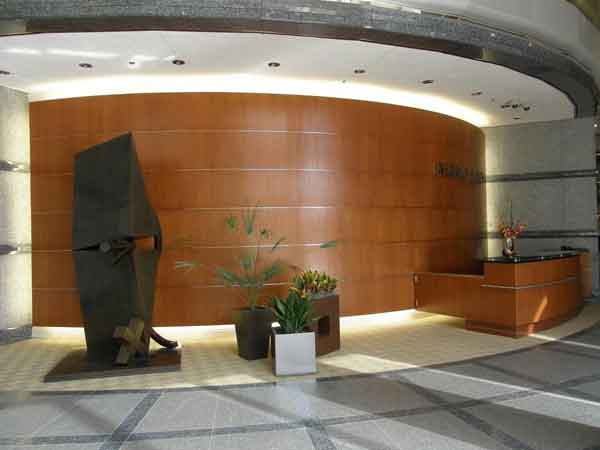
362	173
527	274
448	294
543	294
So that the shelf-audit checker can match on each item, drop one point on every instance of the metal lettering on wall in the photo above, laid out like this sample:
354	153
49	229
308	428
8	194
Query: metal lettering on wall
443	169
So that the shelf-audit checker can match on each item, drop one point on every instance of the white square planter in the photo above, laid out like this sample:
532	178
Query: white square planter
294	354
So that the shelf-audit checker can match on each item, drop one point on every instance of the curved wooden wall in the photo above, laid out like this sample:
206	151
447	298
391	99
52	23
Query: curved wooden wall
362	173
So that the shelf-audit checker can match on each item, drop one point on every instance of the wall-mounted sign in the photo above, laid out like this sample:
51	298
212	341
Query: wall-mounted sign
443	169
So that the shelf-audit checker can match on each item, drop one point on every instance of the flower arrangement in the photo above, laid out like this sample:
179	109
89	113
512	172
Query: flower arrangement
511	229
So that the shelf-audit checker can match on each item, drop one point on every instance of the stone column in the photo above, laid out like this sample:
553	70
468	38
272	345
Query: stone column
15	216
548	170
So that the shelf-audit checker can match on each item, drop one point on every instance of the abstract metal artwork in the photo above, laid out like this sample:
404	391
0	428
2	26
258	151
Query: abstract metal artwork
116	246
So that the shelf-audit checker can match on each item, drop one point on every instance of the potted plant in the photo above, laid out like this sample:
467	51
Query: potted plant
250	276
326	306
293	343
317	284
253	322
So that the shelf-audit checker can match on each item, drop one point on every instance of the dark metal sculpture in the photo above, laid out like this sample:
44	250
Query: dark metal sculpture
115	274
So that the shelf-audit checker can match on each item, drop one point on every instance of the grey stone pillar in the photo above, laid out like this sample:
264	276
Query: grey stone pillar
548	170
15	216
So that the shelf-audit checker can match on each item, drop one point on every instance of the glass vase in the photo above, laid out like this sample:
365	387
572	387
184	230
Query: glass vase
508	248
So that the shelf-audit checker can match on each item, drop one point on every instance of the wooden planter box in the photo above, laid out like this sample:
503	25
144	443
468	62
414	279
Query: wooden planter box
327	327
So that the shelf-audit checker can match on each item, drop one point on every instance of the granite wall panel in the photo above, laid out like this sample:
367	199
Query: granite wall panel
15	220
555	205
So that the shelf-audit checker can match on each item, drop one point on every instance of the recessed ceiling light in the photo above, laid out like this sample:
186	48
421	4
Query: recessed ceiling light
178	62
476	93
4	72
516	118
359	71
132	63
274	64
595	125
85	65
428	81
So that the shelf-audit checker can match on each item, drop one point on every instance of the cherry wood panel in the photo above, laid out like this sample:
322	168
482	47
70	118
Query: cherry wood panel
299	226
215	188
525	274
587	274
355	261
359	172
448	294
176	305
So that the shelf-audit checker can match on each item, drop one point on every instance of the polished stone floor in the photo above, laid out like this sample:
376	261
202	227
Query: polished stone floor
370	344
545	397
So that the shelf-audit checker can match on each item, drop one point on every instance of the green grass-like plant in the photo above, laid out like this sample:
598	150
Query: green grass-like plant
250	274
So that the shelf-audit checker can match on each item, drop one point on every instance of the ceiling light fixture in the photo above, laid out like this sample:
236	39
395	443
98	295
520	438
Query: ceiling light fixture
85	65
516	104
22	51
408	9
359	71
476	93
178	62
428	81
517	118
82	54
4	72
274	64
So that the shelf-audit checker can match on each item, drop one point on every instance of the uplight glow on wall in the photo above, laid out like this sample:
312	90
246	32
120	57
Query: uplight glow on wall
235	83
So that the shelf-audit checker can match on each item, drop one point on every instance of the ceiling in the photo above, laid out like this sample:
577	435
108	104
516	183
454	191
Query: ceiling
47	66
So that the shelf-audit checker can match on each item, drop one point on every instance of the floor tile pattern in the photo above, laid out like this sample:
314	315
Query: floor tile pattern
389	343
540	397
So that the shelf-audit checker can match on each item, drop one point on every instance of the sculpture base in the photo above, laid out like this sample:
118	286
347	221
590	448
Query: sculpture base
75	366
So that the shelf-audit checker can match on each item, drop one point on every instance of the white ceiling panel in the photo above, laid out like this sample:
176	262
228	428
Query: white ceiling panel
47	67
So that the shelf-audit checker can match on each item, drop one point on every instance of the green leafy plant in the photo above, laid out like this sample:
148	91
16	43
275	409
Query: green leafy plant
293	313
251	273
313	282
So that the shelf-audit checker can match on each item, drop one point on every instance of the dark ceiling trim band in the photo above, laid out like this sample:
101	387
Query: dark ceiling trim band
6	249
534	176
12	166
549	234
362	22
13	249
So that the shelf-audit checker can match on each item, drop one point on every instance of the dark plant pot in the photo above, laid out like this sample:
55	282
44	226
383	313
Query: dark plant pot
253	331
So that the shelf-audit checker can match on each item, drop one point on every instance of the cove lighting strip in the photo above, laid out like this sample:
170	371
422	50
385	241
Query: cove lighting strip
382	319
241	83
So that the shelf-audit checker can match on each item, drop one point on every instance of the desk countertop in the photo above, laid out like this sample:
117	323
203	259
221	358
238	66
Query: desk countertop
528	258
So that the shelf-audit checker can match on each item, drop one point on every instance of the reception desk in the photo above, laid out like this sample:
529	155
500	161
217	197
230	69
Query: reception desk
513	297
